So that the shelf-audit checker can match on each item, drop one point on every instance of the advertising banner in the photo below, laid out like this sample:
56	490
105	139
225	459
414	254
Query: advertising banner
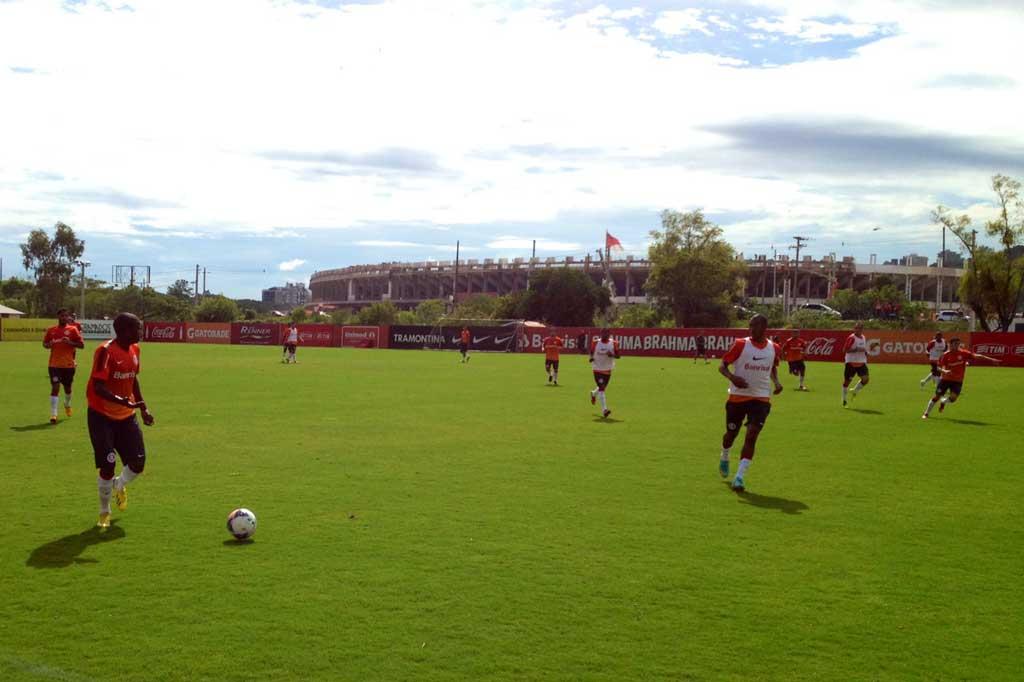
207	332
497	339
312	334
25	328
163	332
643	342
255	333
97	329
1007	347
357	337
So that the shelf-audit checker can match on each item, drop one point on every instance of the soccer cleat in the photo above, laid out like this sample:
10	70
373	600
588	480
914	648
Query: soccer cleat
593	399
844	402
606	414
121	497
53	420
737	485
550	379
942	405
723	468
67	410
104	521
924	416
555	383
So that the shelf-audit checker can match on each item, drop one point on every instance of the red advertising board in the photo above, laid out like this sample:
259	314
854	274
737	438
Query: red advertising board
1007	347
207	332
311	334
357	337
255	333
650	342
164	332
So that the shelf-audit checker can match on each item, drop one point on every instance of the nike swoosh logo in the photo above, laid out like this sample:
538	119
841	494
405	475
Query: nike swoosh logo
482	338
755	358
502	339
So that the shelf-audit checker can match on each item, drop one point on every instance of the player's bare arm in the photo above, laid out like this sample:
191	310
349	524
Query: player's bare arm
775	380
738	382
102	391
147	416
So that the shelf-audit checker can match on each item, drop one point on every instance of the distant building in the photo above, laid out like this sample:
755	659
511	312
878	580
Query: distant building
914	261
292	294
952	259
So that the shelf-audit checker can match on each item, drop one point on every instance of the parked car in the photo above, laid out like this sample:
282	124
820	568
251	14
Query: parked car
743	313
950	316
820	308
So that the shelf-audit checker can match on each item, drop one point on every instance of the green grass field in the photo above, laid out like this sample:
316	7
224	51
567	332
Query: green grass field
423	519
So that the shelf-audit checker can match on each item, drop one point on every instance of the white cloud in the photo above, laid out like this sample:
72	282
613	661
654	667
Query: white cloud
681	22
814	31
290	265
526	244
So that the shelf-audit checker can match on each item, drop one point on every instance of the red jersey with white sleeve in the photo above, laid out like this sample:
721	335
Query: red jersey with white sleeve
292	336
753	362
117	368
856	349
956	362
936	349
599	350
552	346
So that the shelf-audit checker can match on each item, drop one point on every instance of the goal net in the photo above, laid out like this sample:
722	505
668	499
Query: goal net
491	336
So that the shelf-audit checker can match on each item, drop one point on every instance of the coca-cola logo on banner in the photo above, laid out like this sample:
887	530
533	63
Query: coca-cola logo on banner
163	331
820	347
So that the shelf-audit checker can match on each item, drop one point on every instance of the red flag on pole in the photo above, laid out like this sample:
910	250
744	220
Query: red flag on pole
610	241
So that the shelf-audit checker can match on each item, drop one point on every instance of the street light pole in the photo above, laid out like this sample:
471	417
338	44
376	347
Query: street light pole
81	305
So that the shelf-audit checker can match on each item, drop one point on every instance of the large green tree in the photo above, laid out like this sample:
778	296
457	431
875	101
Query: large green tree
694	273
217	309
994	283
563	297
52	260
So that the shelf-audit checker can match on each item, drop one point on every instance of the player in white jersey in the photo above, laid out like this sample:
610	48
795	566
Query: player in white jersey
936	347
856	349
752	381
291	340
603	353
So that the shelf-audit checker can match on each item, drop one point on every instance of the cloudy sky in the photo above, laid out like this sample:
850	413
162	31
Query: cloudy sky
266	139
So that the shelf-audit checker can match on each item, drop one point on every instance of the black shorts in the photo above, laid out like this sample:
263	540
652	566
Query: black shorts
701	350
121	436
463	347
850	371
755	411
936	372
797	367
953	387
550	364
63	376
602	380
289	347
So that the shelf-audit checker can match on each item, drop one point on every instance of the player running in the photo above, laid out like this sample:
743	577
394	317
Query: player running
114	394
793	349
62	339
291	341
756	371
856	349
936	347
952	365
603	353
702	348
464	337
552	346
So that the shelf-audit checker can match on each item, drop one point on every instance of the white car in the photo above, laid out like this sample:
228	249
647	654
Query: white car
950	316
821	309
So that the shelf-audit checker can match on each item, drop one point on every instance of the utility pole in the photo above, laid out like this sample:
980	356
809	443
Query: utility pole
204	281
197	283
455	276
529	269
941	263
796	268
81	306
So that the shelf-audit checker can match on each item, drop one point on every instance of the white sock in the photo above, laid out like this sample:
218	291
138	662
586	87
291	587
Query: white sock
725	454
801	381
931	404
742	468
856	389
291	356
556	377
53	405
126	476
67	400
106	488
845	390
944	401
927	377
604	401
594	392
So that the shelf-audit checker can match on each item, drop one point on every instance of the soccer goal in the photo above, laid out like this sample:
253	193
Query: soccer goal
490	336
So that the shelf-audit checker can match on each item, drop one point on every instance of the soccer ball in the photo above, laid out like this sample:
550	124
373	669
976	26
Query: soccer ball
242	524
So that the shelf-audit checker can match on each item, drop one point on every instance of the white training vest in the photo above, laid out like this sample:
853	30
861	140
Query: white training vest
938	348
858	351
755	366
603	363
293	336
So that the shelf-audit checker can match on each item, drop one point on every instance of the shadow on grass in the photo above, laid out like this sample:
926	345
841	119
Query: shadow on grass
607	420
857	409
65	551
971	422
239	543
35	427
767	502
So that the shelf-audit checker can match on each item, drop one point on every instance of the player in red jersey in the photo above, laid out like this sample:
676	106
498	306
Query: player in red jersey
755	361
793	349
464	337
856	350
61	340
552	346
291	340
953	365
114	395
